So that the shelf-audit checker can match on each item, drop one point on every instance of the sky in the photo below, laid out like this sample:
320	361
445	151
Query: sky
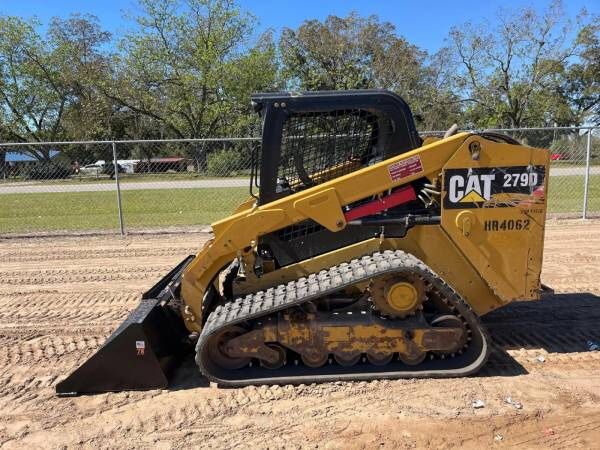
421	22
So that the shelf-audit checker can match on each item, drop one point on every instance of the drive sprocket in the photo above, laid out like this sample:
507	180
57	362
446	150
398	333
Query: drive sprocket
397	296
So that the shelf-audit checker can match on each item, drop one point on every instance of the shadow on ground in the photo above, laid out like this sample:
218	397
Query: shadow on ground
187	376
560	323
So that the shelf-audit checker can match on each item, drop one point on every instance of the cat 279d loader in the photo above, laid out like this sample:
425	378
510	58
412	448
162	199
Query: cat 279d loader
363	252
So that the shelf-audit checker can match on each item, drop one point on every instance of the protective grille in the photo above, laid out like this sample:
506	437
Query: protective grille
318	147
299	231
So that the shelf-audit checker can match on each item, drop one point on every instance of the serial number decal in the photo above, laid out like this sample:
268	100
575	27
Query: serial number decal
506	225
528	211
494	187
405	168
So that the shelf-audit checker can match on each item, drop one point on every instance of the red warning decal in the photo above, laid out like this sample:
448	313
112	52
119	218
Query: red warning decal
405	168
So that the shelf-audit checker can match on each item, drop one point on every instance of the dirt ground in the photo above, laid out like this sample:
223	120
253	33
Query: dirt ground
61	297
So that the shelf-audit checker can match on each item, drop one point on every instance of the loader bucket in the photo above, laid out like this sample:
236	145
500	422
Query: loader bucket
142	351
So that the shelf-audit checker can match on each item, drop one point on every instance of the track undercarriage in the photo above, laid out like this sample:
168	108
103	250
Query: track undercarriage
384	315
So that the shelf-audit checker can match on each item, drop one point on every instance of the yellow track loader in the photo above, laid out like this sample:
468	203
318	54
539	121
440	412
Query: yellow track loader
363	252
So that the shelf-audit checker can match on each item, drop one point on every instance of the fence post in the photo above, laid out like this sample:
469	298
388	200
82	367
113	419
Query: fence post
119	206
586	182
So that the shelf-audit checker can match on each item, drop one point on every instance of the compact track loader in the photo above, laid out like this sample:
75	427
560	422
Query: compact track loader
362	252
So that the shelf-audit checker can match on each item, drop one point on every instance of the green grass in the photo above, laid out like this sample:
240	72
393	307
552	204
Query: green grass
176	207
565	194
98	210
570	163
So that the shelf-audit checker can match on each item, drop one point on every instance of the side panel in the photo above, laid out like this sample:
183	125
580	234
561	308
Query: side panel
494	209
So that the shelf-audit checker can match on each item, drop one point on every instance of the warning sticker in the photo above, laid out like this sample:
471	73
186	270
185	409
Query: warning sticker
405	168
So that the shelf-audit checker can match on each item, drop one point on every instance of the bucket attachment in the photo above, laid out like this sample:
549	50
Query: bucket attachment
142	352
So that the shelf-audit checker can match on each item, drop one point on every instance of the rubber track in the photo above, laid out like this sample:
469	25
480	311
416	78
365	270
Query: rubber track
305	289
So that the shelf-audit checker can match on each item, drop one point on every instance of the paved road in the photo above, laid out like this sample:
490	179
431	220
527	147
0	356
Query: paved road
37	187
570	171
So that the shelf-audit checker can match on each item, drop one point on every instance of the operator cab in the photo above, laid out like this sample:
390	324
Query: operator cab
312	137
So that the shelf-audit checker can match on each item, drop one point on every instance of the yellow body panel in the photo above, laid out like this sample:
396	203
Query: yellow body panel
494	239
323	207
487	268
247	204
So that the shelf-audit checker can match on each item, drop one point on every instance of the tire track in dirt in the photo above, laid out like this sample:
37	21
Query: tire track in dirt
46	333
52	300
37	360
566	340
51	348
178	415
557	328
74	317
251	414
95	274
83	309
567	434
34	368
89	254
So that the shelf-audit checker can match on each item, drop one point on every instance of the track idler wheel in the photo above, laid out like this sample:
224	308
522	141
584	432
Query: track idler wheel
450	321
218	350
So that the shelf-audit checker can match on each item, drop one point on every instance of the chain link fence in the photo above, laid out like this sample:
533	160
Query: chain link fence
574	183
120	186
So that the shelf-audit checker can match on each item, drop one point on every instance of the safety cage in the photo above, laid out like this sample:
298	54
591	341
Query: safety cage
313	137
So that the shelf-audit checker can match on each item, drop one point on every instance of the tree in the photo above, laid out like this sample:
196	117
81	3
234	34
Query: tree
511	73
191	67
437	102
582	81
32	93
45	81
78	44
362	52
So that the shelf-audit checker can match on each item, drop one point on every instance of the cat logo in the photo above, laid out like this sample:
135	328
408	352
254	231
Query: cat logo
470	187
491	187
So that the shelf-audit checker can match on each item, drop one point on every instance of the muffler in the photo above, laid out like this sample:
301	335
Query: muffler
143	351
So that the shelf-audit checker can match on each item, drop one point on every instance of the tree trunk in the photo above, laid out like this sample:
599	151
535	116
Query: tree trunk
199	152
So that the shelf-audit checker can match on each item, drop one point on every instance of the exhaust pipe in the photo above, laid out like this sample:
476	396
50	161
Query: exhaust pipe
143	351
